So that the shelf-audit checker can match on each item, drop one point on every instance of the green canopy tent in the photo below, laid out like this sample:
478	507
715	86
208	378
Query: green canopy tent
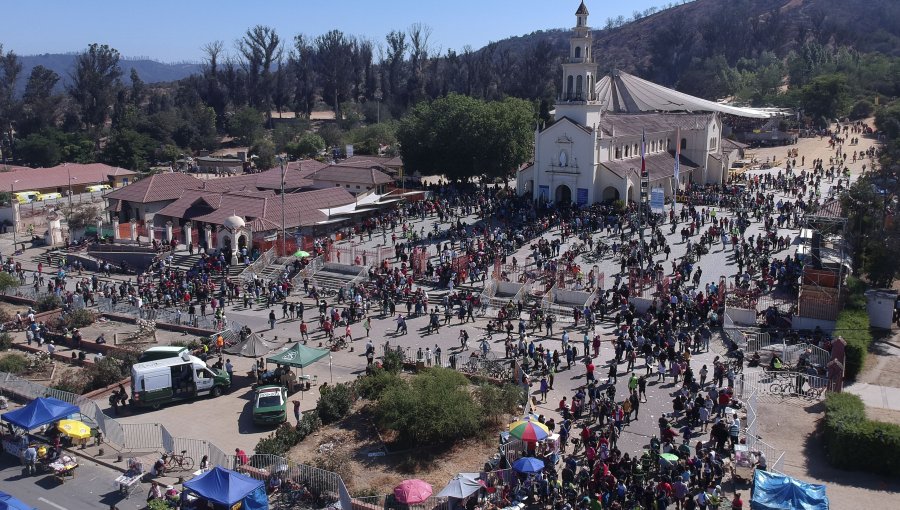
298	356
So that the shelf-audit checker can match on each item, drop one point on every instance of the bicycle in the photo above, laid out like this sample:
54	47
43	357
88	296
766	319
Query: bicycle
783	389
183	462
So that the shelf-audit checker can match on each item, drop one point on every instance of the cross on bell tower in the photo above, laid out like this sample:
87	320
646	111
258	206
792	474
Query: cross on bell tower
579	70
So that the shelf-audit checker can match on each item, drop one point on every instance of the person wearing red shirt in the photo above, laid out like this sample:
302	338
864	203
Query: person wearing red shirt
737	503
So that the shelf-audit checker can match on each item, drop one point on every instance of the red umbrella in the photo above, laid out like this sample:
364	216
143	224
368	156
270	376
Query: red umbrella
411	492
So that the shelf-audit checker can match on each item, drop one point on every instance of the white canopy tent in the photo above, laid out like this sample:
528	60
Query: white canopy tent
621	92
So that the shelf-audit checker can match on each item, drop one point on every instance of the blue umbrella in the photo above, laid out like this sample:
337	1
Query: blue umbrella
8	502
528	465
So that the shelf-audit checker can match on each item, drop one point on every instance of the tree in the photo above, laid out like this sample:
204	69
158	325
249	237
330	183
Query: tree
38	150
246	124
307	146
260	47
127	148
95	82
462	137
10	67
302	62
825	97
264	152
138	88
334	67
40	104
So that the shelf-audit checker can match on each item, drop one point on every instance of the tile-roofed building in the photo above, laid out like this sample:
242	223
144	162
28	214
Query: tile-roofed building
356	177
56	179
142	199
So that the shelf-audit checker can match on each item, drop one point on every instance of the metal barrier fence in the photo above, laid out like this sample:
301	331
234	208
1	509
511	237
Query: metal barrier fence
389	503
176	315
152	437
259	264
781	383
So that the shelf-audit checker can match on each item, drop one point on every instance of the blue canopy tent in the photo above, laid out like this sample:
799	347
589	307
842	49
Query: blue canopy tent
773	491
40	411
226	487
8	502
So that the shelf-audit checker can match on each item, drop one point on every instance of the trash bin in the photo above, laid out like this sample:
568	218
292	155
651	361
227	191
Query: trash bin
880	305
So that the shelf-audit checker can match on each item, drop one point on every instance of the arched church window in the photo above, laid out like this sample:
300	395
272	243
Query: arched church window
569	87
579	86
627	150
577	51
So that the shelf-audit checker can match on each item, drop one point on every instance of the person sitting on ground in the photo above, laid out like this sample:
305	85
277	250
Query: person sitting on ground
159	467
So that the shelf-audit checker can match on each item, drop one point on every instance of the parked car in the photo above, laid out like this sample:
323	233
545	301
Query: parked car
270	405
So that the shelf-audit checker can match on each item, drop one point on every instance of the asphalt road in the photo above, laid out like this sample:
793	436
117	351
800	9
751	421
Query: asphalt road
91	489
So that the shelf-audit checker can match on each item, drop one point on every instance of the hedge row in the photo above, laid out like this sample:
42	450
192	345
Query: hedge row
854	442
853	325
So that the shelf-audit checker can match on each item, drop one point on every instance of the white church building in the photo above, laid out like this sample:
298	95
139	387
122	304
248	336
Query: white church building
592	150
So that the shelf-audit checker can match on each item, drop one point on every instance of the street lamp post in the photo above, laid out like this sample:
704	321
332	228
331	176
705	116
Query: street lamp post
12	196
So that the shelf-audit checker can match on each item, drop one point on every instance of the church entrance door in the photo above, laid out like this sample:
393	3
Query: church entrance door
563	194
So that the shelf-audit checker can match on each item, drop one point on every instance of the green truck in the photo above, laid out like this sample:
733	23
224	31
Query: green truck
158	382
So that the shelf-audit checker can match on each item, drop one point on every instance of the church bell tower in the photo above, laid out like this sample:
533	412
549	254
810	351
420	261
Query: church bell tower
579	70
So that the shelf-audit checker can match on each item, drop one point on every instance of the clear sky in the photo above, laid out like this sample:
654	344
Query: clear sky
171	31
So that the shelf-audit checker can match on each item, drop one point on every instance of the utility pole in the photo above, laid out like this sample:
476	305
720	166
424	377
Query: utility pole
283	231
12	196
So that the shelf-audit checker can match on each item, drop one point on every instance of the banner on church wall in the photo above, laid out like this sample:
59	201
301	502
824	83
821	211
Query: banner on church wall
582	196
657	200
544	192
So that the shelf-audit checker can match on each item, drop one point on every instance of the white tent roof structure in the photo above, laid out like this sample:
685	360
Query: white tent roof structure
362	204
252	347
621	92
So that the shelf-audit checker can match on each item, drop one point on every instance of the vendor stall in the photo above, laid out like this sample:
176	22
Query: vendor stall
299	356
38	412
225	488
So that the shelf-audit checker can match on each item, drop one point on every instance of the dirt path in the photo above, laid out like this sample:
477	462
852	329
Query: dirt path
794	427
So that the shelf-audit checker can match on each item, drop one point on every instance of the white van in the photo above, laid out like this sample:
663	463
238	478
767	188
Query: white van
158	382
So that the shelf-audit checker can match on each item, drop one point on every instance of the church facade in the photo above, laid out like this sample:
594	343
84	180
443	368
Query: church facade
592	150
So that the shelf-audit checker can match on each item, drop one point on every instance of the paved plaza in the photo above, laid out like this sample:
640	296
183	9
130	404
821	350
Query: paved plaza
226	421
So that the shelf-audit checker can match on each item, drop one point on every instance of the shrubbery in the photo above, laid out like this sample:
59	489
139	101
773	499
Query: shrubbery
80	318
13	363
334	402
286	436
372	386
48	302
109	370
857	443
6	341
853	326
438	406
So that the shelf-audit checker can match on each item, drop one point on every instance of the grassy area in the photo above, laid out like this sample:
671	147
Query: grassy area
853	326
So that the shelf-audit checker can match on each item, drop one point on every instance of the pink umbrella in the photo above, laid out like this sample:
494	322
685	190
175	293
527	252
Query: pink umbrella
411	492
